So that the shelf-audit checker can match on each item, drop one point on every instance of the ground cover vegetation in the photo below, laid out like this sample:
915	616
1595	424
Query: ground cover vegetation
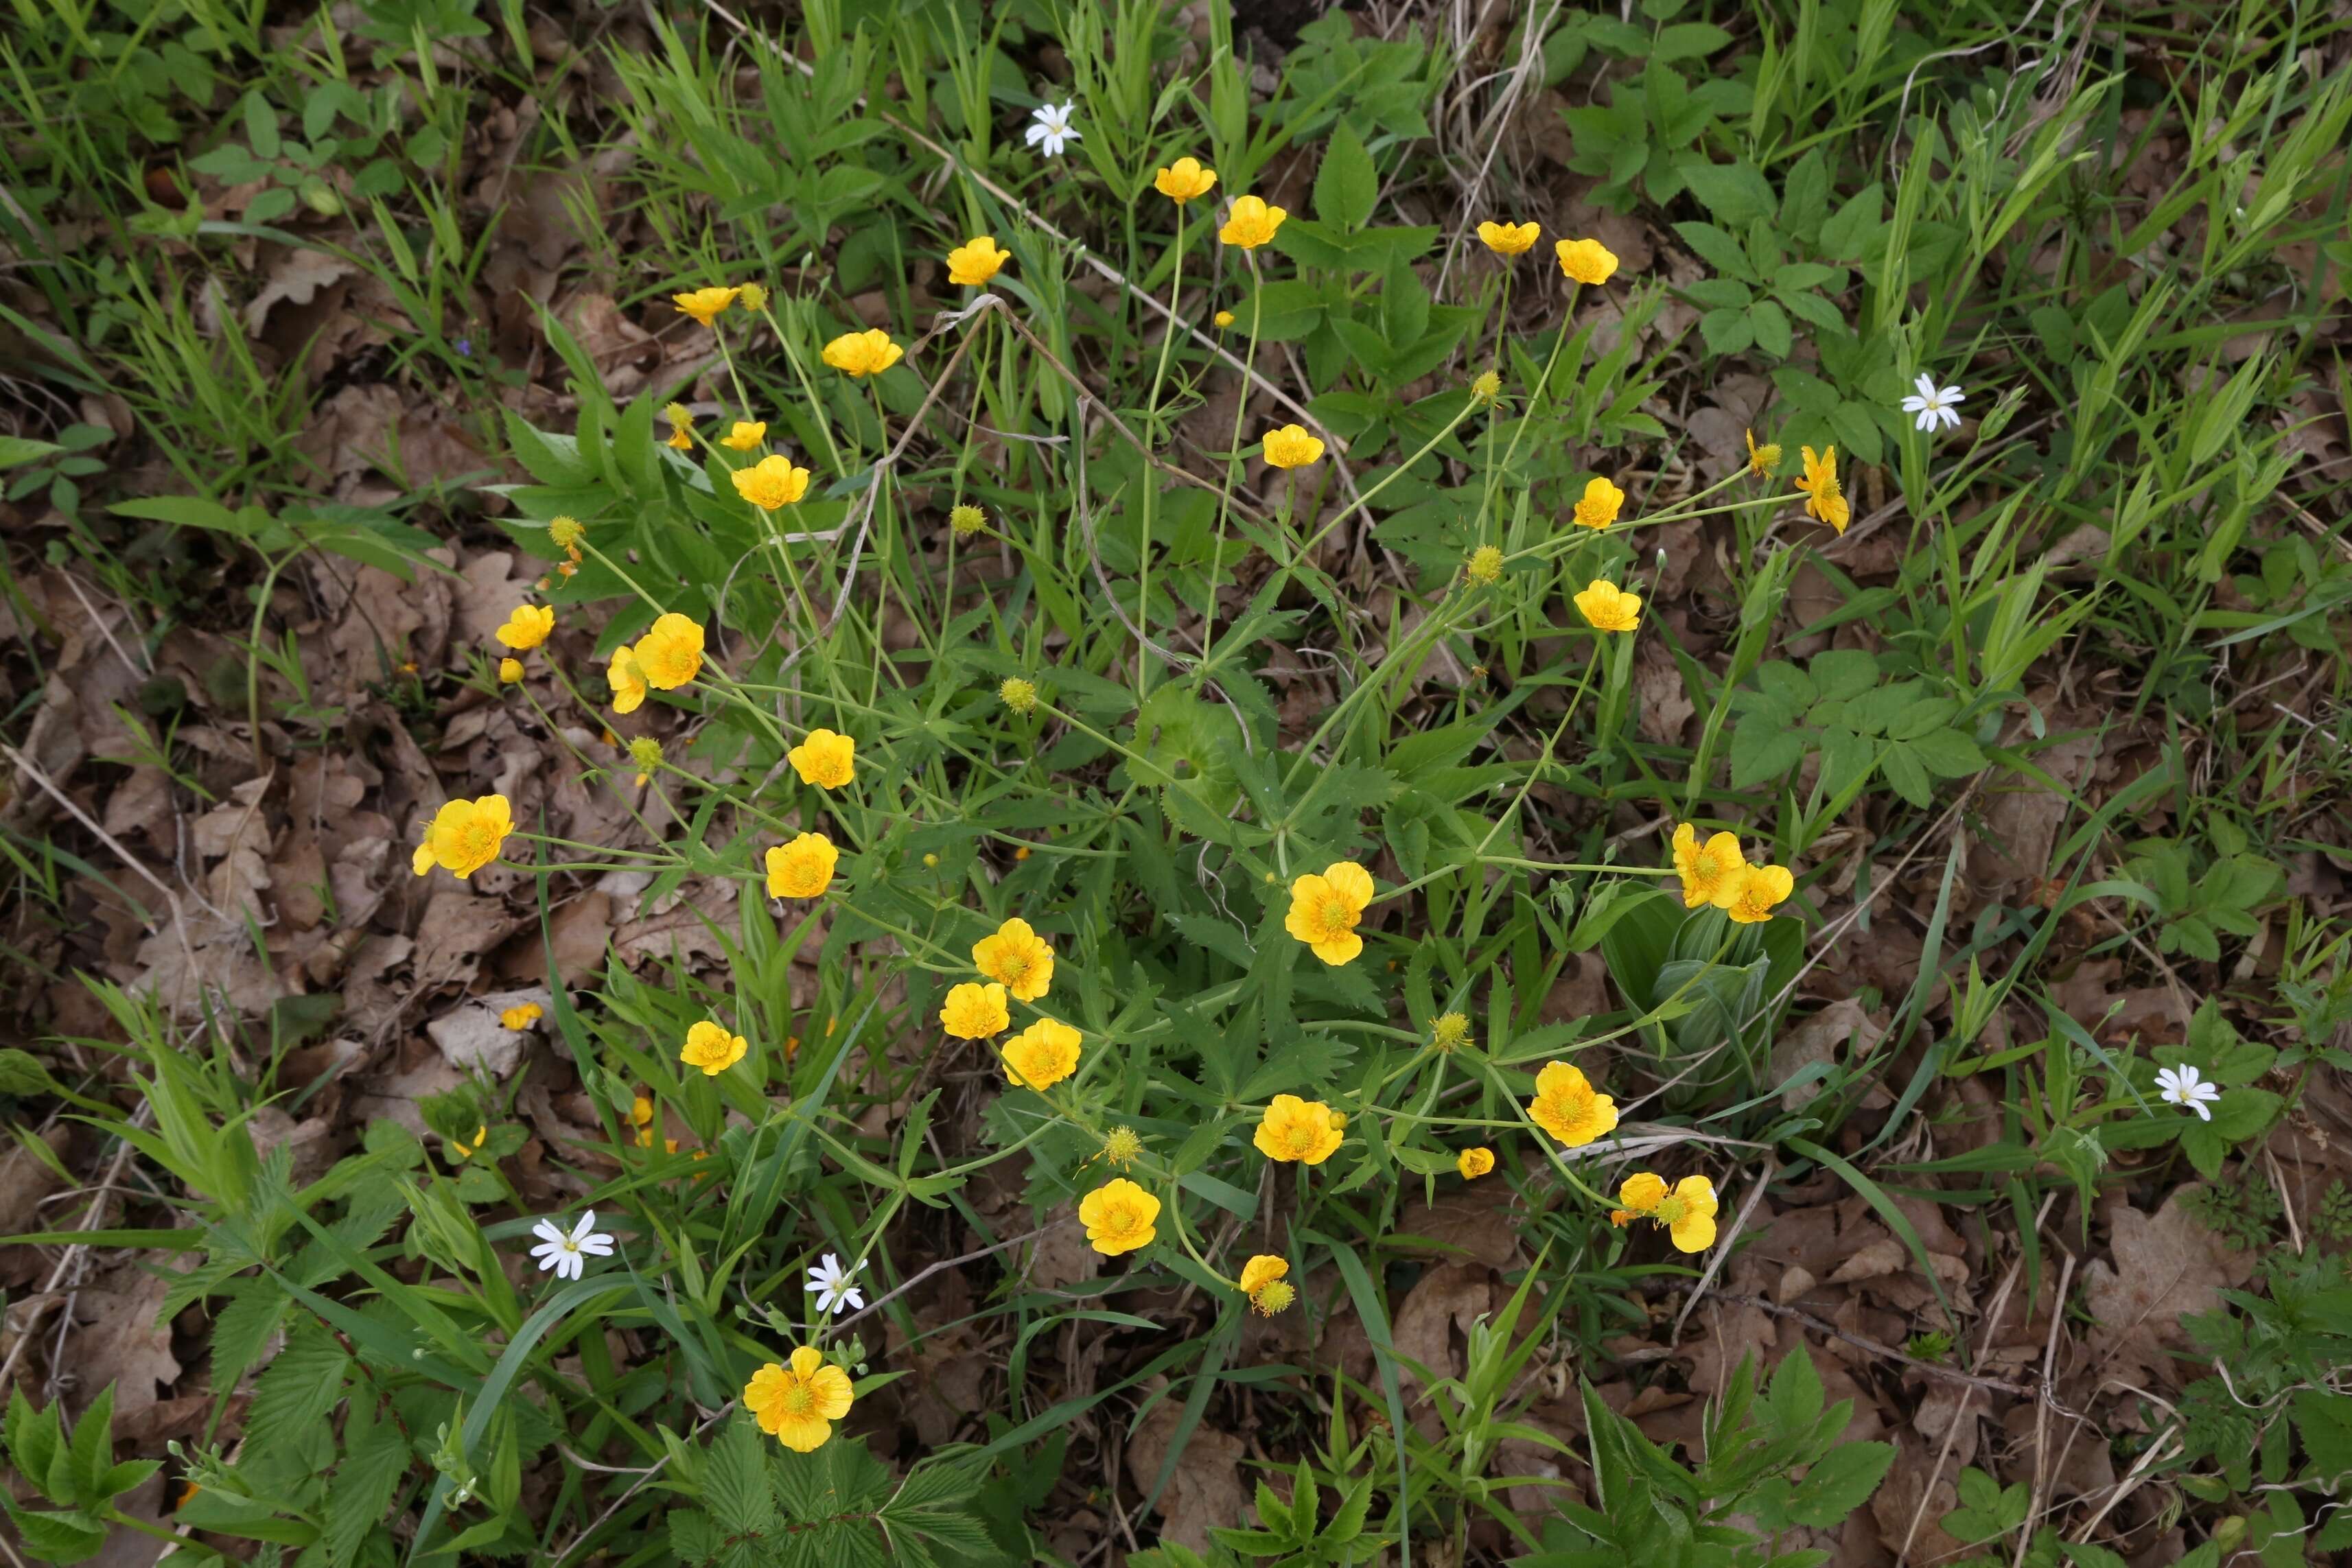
1100	782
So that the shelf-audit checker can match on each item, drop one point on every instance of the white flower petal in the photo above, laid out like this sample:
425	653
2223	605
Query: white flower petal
601	1246
548	1230
1927	385
2198	1105
855	1297
587	1225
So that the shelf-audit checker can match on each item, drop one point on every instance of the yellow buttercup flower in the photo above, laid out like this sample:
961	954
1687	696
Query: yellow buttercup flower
705	304
1184	180
464	836
1609	607
974	262
1041	1055
1118	1216
1250	223
681	426
1222	319
749	436
1474	1162
1261	1271
1509	239
1586	260
646	753
670	654
1017	958
641	1112
1823	499
509	671
802	869
974	1011
1484	565
1324	910
1264	1283
798	1402
527	626
771	481
1711	873
627	681
1568	1107
709	1047
464	1150
1598	506
1758	889
824	759
1687	1210
521	1016
1121	1147
1291	447
1762	461
1294	1129
867	353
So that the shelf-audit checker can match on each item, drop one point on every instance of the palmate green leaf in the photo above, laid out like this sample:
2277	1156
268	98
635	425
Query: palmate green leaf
735	1486
90	1454
1906	777
1726	331
375	1459
17	450
295	1391
1346	184
242	1329
56	1537
1762	751
33	1436
1948	753
1733	192
1717	249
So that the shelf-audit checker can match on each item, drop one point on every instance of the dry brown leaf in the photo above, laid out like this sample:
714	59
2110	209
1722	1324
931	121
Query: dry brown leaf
25	1179
295	277
2166	1266
1204	1490
1452	1296
2022	817
1842	1024
1881	1258
460	929
474	1041
1473	1221
119	1339
1667	705
487	588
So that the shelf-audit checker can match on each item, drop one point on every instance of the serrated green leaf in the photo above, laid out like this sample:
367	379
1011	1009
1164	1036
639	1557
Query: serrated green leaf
1346	185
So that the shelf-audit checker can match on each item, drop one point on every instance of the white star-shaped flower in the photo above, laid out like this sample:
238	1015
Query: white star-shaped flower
567	1253
829	1283
2182	1086
1932	403
1050	128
